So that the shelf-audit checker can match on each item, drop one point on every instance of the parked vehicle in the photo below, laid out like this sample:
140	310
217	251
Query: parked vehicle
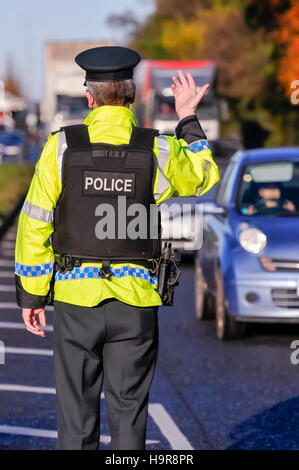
179	224
155	105
13	146
65	102
248	267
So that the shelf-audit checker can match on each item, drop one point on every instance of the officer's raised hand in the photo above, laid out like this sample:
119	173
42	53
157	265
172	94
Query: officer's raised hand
29	317
185	95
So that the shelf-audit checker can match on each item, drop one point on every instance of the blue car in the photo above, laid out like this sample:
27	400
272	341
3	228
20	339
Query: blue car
247	269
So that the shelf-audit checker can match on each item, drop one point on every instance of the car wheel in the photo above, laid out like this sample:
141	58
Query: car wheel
204	304
226	325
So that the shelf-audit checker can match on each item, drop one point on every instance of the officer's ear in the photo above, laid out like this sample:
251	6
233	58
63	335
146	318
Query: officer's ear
132	99
91	101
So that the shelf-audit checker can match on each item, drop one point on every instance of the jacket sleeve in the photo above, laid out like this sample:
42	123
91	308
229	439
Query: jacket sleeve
185	165
34	257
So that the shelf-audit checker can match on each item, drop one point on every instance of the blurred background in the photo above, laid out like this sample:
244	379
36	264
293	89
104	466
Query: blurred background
246	49
242	284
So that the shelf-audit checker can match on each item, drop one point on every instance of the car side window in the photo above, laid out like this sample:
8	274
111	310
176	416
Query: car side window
226	186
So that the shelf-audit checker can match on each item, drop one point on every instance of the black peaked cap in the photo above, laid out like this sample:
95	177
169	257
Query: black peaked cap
108	63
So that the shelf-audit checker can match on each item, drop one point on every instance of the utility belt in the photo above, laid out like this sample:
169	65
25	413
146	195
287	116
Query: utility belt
165	268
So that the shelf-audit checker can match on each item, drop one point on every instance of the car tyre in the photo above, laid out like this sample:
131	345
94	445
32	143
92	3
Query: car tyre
204	302
226	325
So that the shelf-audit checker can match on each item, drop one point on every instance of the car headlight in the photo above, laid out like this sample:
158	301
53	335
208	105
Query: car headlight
253	240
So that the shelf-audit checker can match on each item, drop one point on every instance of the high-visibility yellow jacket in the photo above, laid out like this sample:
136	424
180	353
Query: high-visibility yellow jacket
181	169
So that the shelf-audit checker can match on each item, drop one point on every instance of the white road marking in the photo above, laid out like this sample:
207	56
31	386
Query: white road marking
20	326
8	305
4	288
13	305
26	388
7	274
19	430
49	433
7	262
158	413
7	244
10	236
31	351
7	252
168	428
31	389
163	420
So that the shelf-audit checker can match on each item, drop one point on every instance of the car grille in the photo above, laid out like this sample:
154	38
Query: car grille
285	298
275	264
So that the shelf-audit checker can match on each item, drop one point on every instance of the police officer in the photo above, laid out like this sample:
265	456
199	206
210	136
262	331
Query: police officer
106	299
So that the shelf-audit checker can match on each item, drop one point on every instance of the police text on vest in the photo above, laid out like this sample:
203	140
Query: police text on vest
108	183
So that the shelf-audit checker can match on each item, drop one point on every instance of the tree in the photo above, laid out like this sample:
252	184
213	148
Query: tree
173	8
11	84
288	37
241	55
254	43
264	14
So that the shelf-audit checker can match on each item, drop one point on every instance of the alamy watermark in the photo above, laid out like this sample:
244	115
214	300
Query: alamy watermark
2	353
183	222
295	94
294	357
136	221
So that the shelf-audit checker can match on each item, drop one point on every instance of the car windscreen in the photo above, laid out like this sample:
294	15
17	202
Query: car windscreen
164	106
162	79
269	189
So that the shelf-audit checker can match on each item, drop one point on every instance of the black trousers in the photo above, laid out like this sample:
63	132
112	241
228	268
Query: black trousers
112	343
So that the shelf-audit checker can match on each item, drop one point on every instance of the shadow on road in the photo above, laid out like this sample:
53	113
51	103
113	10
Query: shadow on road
270	332
274	428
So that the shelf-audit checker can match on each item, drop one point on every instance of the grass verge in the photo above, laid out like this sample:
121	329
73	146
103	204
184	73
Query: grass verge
14	182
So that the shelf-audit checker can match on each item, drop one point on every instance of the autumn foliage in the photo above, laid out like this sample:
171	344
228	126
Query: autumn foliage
255	44
288	37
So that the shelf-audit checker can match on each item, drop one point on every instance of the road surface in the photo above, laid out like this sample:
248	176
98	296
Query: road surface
206	394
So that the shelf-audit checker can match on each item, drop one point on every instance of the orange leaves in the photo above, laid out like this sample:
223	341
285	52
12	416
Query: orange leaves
288	37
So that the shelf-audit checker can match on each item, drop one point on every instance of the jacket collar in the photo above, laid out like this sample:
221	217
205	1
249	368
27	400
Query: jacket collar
116	115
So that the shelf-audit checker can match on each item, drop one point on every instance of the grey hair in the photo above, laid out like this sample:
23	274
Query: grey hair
112	93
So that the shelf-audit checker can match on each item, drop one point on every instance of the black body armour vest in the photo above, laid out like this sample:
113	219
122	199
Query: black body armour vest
107	190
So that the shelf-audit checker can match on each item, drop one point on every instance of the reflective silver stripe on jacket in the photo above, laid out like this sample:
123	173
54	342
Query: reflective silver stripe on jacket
207	165
62	146
37	212
162	160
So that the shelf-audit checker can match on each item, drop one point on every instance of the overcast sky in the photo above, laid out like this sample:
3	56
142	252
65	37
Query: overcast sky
25	26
